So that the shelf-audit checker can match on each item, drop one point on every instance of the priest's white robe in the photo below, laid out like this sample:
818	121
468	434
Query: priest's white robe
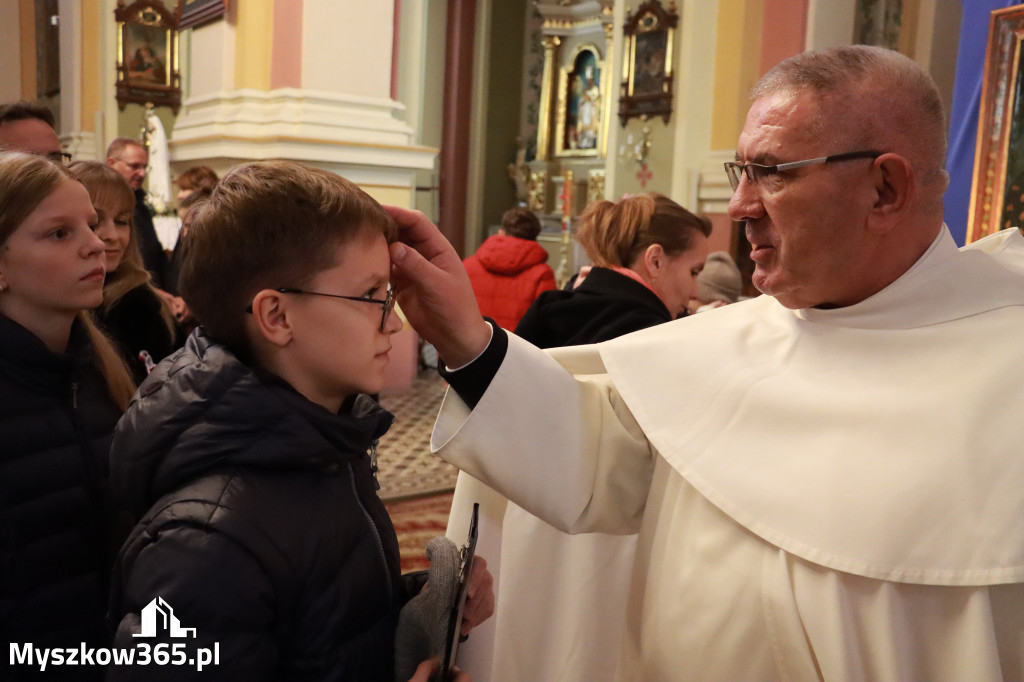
819	494
1006	246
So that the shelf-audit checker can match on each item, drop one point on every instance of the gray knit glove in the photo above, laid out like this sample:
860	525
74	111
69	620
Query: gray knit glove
423	622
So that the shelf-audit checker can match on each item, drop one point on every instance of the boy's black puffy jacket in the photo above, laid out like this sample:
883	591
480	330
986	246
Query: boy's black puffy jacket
262	527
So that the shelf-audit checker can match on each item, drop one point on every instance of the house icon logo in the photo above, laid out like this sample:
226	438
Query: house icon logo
158	615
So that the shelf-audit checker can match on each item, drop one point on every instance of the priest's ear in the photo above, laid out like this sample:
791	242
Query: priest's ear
895	188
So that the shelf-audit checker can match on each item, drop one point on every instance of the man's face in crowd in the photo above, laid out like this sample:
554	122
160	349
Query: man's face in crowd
131	163
32	136
805	225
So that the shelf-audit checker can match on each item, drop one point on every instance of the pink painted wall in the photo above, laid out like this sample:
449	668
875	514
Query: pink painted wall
783	32
286	51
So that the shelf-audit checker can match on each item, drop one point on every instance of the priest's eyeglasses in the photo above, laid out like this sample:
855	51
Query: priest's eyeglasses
757	173
387	303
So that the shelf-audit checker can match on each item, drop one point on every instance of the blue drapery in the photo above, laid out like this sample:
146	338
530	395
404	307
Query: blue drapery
963	119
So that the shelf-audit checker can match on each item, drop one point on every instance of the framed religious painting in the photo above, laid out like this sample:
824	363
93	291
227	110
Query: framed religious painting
997	194
579	130
147	55
647	69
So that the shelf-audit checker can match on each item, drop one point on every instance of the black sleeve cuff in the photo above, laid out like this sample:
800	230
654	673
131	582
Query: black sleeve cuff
471	381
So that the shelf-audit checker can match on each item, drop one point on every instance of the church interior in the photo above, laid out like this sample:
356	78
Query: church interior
463	108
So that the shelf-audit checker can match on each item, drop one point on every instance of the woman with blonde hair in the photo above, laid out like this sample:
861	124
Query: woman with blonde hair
133	312
561	599
62	388
647	251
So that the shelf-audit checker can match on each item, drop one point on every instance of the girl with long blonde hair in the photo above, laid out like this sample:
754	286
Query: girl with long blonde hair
62	389
133	312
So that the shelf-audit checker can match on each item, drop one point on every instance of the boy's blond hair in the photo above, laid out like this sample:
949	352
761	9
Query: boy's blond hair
267	225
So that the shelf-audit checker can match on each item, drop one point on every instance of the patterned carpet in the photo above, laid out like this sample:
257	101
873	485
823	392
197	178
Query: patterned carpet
416	522
416	486
407	469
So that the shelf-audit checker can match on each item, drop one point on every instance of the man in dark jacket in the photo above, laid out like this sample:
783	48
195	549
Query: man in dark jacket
129	158
27	127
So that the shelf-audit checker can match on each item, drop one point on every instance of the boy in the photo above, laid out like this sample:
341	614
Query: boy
249	446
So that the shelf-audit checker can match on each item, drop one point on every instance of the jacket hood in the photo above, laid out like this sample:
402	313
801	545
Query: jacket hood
504	255
203	410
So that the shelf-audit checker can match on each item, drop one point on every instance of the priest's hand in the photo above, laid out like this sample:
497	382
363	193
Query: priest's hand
434	290
479	596
427	669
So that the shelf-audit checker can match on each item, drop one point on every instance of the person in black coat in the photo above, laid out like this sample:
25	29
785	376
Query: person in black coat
250	451
130	158
62	389
133	313
647	251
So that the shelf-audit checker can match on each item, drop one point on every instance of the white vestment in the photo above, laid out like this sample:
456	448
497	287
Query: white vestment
819	494
1006	246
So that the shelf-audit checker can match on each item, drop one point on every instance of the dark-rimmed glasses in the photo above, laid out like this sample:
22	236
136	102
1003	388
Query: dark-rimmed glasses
59	158
387	303
757	172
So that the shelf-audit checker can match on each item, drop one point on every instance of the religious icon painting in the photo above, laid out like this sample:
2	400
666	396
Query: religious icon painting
147	55
647	78
580	127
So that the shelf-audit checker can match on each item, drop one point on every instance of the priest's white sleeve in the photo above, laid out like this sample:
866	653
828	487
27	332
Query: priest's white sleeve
552	434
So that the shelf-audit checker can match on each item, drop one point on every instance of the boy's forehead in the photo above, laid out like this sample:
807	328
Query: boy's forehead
364	257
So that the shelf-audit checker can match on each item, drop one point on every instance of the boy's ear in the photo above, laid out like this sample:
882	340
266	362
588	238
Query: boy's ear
270	313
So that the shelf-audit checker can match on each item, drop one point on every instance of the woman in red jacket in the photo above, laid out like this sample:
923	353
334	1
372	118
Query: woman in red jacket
510	269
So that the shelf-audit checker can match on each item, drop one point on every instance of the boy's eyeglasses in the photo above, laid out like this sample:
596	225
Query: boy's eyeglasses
387	303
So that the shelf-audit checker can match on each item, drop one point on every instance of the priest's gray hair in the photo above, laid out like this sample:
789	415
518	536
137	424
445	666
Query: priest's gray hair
872	98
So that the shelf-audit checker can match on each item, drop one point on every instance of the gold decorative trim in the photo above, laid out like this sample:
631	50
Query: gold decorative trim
595	185
550	44
996	125
537	191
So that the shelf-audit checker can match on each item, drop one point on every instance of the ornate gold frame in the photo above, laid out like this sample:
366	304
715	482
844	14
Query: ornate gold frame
1001	89
646	83
160	84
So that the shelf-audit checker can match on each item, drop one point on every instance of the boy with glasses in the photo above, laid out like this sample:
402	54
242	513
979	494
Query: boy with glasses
253	448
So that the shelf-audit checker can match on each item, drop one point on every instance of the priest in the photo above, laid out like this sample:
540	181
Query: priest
825	480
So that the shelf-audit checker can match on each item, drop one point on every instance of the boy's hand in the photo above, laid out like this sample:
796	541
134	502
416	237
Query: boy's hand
434	290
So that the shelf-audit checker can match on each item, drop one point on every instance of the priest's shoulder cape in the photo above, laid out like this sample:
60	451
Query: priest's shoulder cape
1006	246
882	439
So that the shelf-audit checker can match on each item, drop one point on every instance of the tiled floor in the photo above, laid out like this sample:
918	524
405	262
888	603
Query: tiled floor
406	467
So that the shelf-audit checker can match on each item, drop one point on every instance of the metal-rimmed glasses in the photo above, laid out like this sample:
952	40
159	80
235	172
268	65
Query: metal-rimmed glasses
756	172
387	303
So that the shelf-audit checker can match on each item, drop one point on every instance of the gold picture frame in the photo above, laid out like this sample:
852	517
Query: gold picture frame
997	191
147	55
582	89
647	68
